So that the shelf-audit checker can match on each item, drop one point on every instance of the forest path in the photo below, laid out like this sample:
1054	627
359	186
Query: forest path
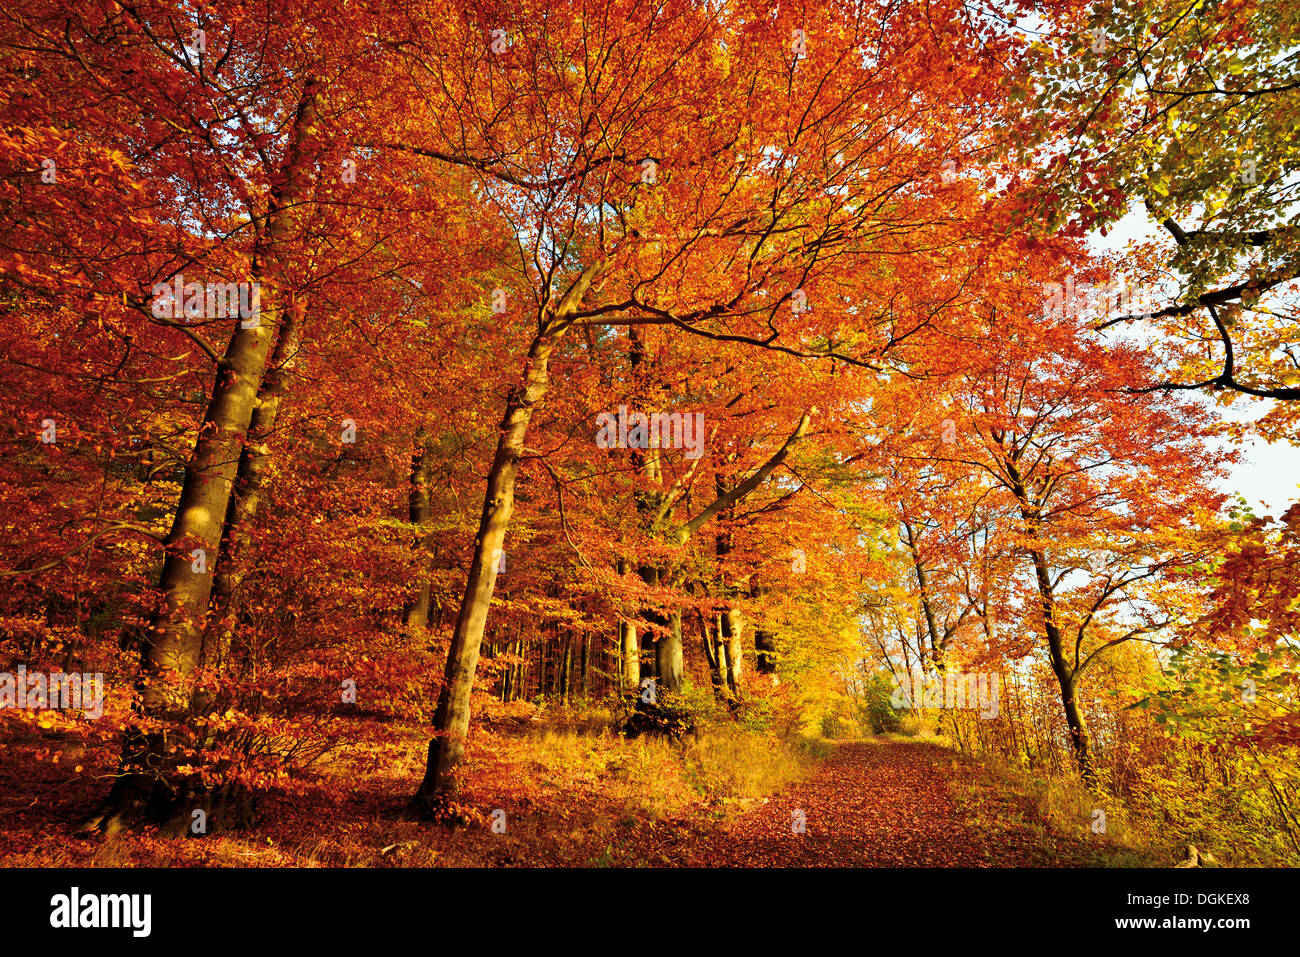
889	804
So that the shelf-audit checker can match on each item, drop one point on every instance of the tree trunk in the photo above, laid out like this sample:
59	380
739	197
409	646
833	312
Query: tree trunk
1065	676
173	645
732	628
764	652
936	646
451	720
582	665
764	642
519	687
629	652
246	498
728	655
715	654
668	655
566	670
419	512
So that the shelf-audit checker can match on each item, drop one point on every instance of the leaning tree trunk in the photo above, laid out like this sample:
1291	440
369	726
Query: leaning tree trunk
937	655
246	499
923	589
147	784
451	720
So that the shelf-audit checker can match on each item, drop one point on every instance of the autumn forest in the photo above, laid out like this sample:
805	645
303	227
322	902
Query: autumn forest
670	433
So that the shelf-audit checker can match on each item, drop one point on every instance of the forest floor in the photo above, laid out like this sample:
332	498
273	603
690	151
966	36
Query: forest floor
574	797
889	803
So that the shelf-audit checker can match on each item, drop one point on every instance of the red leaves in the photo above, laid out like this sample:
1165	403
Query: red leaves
885	805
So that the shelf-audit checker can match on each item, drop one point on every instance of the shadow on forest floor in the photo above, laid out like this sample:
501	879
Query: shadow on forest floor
568	799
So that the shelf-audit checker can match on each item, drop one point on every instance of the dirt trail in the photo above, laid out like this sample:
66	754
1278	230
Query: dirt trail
888	804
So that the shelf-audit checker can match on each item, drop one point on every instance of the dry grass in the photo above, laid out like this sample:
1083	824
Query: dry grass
654	779
918	728
1064	805
739	765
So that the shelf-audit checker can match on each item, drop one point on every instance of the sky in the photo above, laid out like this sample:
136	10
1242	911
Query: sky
1268	475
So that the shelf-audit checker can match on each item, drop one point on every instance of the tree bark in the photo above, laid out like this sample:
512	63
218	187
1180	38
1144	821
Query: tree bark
670	672
629	651
764	641
923	585
1066	677
566	670
416	613
583	664
174	637
715	653
246	498
732	629
451	720
764	652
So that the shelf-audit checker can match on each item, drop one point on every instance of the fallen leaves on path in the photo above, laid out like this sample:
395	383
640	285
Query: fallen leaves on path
886	804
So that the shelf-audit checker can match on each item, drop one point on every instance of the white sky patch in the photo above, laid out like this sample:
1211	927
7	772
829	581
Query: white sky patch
1268	474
